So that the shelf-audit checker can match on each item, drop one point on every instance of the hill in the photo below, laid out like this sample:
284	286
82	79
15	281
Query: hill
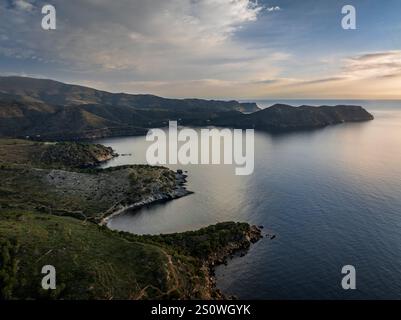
284	118
93	262
50	214
50	110
58	93
47	109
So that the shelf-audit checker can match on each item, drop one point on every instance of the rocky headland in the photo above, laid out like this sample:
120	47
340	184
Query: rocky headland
284	118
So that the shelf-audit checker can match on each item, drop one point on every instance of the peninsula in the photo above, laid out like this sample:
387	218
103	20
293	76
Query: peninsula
49	110
52	205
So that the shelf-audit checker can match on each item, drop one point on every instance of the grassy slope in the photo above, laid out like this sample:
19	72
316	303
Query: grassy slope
20	151
52	155
88	195
31	180
93	262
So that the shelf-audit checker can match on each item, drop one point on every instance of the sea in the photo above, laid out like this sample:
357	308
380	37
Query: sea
331	197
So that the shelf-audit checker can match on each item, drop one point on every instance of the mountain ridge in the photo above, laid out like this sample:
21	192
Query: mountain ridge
58	93
51	110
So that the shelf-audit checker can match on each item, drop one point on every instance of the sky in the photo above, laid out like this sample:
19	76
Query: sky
225	49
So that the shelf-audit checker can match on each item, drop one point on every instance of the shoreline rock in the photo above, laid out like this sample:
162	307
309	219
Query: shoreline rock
232	250
208	248
179	191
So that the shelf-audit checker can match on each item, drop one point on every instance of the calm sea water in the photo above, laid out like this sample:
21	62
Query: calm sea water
332	197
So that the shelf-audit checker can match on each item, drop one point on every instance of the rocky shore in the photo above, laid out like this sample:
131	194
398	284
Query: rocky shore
239	245
177	192
211	246
232	249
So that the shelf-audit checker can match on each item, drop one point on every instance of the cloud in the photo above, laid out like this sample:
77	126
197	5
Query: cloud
274	8
323	80
373	65
23	5
153	36
183	48
267	81
144	41
368	75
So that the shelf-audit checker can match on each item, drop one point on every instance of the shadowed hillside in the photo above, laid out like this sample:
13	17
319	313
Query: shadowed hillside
48	109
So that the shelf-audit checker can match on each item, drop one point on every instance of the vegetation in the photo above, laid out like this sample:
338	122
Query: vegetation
49	210
93	262
75	155
8	268
47	178
63	155
204	242
84	195
50	110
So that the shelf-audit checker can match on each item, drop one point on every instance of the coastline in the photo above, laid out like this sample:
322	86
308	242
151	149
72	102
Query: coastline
65	197
236	248
179	191
232	250
210	246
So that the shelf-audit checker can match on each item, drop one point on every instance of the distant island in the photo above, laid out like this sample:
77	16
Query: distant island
50	110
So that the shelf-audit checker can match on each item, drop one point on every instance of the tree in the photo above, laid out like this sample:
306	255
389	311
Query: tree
8	269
